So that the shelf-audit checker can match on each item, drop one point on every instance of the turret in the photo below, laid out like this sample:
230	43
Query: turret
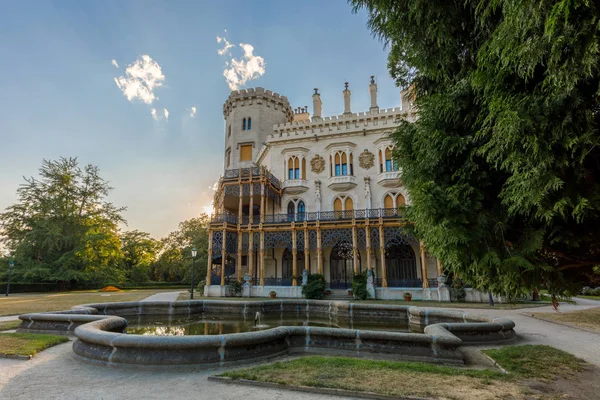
317	104
347	95
249	117
373	92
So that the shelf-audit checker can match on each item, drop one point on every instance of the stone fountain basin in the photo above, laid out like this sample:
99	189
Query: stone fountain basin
99	329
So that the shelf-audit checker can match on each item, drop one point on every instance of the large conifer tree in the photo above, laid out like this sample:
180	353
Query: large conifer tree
503	164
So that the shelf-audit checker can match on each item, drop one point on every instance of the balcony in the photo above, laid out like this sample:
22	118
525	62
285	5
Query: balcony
389	179
342	183
295	186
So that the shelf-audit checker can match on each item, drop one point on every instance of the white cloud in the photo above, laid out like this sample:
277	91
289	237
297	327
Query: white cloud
192	111
166	113
115	63
226	47
154	115
143	76
247	68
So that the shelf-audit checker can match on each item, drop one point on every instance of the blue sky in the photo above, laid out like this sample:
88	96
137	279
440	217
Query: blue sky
58	95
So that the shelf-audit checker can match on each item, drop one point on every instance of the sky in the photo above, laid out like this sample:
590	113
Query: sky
137	88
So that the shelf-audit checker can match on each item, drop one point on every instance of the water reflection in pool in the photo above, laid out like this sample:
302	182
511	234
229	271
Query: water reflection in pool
223	324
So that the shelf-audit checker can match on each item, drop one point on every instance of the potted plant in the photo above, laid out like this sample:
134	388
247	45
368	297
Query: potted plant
350	292
272	294
407	296
327	292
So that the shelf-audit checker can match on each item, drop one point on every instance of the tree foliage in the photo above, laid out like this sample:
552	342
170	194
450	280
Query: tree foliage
502	164
62	228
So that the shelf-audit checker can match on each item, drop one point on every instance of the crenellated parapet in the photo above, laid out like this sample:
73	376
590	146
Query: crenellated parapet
345	123
247	97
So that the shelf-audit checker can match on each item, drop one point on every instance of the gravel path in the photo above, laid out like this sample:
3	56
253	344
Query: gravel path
165	296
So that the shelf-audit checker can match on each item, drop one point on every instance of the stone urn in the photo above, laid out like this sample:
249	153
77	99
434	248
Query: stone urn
441	280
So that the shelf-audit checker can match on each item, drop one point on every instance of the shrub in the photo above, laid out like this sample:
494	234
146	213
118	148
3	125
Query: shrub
235	288
315	287
359	286
110	289
200	288
457	292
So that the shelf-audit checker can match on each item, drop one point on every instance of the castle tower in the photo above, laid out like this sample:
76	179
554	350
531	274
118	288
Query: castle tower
249	117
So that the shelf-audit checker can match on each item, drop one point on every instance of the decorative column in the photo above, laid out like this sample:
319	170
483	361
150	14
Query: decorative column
262	202
240	204
223	257
251	206
384	282
368	251
424	267
294	257
355	252
318	196
440	270
262	258
209	262
239	255
319	252
251	255
306	250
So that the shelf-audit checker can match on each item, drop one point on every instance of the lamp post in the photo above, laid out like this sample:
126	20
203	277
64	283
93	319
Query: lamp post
11	264
194	252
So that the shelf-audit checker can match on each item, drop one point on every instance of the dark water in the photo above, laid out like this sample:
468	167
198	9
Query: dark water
223	324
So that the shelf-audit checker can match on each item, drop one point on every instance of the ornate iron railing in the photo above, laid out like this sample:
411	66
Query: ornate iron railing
278	281
311	216
248	172
433	283
215	280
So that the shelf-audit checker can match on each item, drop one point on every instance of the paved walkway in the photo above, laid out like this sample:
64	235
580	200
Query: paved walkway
165	296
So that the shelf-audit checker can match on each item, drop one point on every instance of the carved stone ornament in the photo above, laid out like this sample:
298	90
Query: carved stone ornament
366	159
317	164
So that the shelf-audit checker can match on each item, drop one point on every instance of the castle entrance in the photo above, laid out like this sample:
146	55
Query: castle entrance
341	270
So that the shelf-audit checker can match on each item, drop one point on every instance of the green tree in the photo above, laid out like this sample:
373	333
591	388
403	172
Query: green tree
502	164
62	229
174	263
139	254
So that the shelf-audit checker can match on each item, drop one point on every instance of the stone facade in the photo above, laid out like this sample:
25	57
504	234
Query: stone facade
320	194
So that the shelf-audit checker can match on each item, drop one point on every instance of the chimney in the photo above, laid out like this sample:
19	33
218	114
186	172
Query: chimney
317	104
347	94
373	91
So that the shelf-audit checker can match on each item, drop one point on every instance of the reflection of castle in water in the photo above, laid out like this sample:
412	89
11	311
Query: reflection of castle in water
156	326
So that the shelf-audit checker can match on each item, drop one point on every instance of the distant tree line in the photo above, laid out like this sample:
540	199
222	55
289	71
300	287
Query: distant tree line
62	230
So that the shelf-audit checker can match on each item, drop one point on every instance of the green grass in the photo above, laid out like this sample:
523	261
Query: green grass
398	378
442	304
590	297
587	319
9	325
22	303
26	344
536	361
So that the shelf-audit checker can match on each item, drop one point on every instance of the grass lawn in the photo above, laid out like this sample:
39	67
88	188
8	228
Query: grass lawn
22	303
590	297
588	319
421	379
8	325
25	344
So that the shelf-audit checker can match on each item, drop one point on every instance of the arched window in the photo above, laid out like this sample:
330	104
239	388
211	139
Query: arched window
244	124
343	206
388	202
342	164
296	210
229	131
392	202
294	168
249	123
386	162
401	266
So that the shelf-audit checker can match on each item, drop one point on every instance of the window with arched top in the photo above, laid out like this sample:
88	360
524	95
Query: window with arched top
343	206
244	124
295	167
229	131
342	163
296	210
386	162
393	201
249	123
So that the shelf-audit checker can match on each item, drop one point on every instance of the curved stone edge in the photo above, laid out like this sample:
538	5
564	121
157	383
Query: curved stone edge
100	339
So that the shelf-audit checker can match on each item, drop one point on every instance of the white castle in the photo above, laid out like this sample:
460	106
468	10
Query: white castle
303	195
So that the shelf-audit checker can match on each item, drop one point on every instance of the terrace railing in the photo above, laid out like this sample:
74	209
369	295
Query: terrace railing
312	216
278	281
250	172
